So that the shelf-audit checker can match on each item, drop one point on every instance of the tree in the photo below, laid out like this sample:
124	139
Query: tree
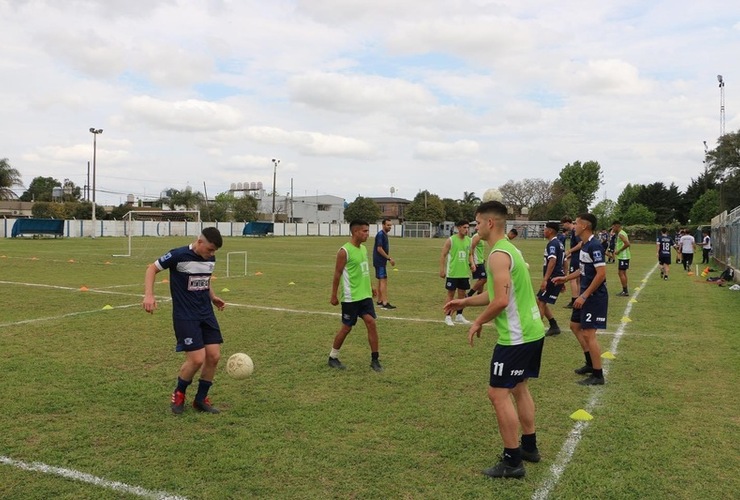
187	198
453	209
9	177
526	193
362	209
468	204
244	208
583	180
605	212
627	197
724	162
426	207
40	189
637	214
664	202
706	207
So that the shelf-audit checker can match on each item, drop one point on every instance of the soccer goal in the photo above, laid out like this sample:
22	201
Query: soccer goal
415	229
156	223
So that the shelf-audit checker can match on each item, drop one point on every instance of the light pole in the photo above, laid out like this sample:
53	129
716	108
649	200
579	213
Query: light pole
274	180
721	105
94	132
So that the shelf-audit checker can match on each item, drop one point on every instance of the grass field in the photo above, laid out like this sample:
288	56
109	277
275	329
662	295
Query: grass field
86	389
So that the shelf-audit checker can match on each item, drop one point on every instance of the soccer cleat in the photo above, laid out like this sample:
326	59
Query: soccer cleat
448	321
178	402
335	363
591	380
665	278
205	406
584	370
623	294
461	319
568	306
502	469
375	365
388	306
554	330
530	456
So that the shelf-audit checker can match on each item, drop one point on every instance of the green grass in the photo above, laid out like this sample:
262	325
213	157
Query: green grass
88	389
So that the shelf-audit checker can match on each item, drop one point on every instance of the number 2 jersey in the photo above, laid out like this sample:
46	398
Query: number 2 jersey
190	282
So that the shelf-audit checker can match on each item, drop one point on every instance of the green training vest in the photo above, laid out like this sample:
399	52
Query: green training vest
355	281
458	265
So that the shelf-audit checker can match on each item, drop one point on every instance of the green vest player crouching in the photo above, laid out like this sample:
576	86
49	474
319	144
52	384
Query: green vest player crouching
352	272
511	305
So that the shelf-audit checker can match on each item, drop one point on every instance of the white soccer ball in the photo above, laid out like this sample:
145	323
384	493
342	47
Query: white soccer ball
492	194
239	366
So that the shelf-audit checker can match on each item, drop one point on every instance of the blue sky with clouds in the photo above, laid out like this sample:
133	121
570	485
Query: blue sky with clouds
356	97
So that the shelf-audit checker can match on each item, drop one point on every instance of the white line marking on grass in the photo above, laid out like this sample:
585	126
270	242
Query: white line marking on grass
569	447
327	313
68	315
89	478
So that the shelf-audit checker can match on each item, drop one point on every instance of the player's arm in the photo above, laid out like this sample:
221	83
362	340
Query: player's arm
548	271
558	280
625	241
215	300
443	259
576	248
149	303
379	249
338	268
479	299
473	243
499	263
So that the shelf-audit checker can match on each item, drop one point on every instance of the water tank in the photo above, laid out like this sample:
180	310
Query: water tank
233	187
238	185
253	186
259	185
56	192
130	199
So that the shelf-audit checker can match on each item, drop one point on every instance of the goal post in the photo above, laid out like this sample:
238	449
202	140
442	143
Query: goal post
152	223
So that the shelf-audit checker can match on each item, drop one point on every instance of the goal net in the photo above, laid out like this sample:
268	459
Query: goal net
159	223
415	229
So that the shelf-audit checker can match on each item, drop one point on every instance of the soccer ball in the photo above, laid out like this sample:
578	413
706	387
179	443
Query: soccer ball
492	194
239	366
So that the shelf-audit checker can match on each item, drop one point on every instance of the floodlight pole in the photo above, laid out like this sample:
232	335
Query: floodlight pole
274	180
94	131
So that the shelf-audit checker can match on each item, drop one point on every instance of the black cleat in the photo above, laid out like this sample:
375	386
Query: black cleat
502	469
591	380
584	370
623	294
530	456
335	363
178	402
388	306
552	331
568	306
375	365
205	406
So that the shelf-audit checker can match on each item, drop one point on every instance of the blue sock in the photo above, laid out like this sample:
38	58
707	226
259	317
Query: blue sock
203	386
182	385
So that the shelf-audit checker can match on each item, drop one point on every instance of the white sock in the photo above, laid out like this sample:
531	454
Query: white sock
334	353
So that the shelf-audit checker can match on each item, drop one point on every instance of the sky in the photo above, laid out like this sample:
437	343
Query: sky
358	97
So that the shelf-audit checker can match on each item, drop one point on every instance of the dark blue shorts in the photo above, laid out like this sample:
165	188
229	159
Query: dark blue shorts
193	335
664	259
512	364
353	310
574	265
381	272
593	313
480	272
550	295
457	284
624	264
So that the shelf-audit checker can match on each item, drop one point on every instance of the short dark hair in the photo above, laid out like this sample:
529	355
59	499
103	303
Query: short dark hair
385	220
616	223
494	207
513	230
566	219
663	230
213	235
553	225
590	218
462	222
357	222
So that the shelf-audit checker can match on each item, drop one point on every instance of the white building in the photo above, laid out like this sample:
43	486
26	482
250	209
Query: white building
317	209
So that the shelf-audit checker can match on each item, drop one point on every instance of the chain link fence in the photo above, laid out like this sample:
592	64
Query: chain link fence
726	238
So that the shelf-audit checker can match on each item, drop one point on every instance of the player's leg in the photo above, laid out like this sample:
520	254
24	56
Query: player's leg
450	294
461	293
575	327
349	318
526	410
383	291
374	341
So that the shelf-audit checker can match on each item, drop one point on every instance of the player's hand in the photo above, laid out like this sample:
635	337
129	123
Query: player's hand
334	300
453	305
474	331
578	303
375	292
149	304
559	280
218	302
443	274
393	262
543	285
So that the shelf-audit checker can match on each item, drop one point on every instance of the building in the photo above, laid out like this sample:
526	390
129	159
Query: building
392	208
317	209
15	208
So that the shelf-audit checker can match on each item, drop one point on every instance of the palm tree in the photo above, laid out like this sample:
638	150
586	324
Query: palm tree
9	177
469	198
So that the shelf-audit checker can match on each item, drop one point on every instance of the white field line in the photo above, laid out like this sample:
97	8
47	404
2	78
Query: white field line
70	288
67	315
574	437
89	478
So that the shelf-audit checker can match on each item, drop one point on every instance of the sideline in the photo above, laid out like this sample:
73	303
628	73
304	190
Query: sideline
89	478
574	437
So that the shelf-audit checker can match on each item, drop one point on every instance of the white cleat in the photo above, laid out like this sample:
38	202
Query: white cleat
461	319
448	321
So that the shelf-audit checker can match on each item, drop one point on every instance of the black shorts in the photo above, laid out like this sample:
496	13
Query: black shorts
624	264
593	313
381	272
353	310
457	284
193	335
480	272
574	265
550	295
512	364
664	259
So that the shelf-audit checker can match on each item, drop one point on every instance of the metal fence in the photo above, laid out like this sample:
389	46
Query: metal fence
726	238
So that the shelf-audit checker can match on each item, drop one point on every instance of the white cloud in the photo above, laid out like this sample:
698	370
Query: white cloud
189	115
427	150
